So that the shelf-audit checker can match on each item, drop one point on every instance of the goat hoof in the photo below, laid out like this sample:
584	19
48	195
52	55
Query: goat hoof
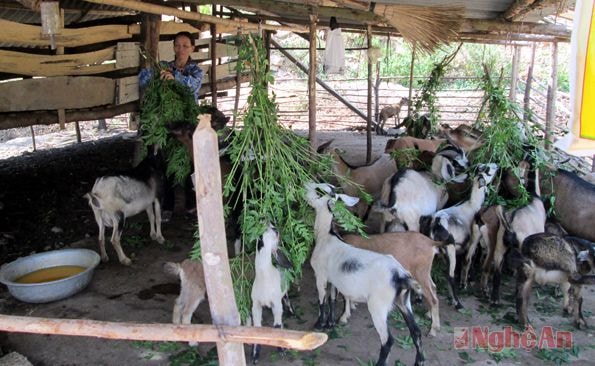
432	333
318	326
126	261
458	306
104	258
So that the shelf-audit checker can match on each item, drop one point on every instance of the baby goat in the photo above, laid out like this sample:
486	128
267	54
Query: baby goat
114	198
360	275
267	289
193	289
453	225
548	258
416	253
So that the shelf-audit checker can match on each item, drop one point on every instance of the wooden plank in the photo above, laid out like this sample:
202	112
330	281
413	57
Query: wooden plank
167	28
61	92
13	32
211	227
56	65
302	341
128	90
127	55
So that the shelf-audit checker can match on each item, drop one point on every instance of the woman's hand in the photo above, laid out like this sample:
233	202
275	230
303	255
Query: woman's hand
166	75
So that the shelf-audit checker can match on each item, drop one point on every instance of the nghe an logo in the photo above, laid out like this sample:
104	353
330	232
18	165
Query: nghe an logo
497	340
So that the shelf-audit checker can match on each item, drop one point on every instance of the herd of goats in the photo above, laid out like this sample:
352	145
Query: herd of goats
421	212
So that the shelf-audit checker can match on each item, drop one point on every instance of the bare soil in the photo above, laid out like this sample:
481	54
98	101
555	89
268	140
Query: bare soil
41	208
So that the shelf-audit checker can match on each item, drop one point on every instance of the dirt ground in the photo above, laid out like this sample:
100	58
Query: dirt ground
41	209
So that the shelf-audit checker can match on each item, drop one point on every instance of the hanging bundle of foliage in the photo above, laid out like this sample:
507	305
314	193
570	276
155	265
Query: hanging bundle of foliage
415	123
167	101
507	139
275	164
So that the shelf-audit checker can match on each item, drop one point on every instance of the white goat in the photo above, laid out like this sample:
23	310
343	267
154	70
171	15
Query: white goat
360	275
408	194
453	225
416	253
267	289
114	198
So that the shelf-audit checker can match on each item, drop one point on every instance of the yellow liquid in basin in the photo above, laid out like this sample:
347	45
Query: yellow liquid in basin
50	274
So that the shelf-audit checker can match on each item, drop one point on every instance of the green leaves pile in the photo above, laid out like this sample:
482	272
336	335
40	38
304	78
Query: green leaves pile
167	101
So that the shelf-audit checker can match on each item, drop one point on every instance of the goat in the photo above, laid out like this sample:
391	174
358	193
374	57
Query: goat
389	111
193	289
574	204
367	177
360	275
115	198
409	194
548	258
467	137
453	225
408	142
416	253
514	227
267	289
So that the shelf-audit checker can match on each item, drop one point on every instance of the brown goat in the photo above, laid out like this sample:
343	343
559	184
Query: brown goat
391	111
416	253
193	289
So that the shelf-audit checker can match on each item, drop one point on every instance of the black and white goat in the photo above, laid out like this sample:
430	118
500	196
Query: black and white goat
360	275
452	225
115	198
268	289
548	258
408	194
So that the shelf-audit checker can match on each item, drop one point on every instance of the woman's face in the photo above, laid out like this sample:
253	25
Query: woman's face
182	47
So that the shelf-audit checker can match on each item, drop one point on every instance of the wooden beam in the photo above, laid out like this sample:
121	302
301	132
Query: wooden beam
57	65
26	119
149	38
312	84
31	4
528	85
211	226
369	98
301	341
483	25
166	10
515	73
550	109
56	93
519	8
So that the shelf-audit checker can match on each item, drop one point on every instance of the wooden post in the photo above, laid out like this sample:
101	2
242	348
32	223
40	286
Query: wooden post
515	73
414	47
209	204
236	102
213	70
62	112
527	96
33	138
370	72
550	111
312	84
149	35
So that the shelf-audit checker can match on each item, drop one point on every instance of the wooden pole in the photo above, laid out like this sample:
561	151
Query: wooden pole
293	339
369	99
209	204
515	73
411	79
527	96
236	102
550	114
33	138
213	69
146	7
312	84
149	37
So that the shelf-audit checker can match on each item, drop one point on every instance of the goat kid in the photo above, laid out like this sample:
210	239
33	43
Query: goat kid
416	253
453	225
547	258
360	275
115	198
267	289
388	112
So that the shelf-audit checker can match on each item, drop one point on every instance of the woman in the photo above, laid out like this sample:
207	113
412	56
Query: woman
186	71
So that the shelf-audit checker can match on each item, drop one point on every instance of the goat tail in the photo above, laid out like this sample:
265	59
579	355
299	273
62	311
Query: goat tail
172	268
415	286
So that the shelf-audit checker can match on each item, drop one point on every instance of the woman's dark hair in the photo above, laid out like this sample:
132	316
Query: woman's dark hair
185	34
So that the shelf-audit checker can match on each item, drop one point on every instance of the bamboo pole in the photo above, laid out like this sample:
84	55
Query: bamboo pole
182	14
414	47
550	111
527	97
312	84
515	73
209	205
301	341
369	99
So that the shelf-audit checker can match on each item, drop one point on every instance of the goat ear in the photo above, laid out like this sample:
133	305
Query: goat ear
324	147
349	200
